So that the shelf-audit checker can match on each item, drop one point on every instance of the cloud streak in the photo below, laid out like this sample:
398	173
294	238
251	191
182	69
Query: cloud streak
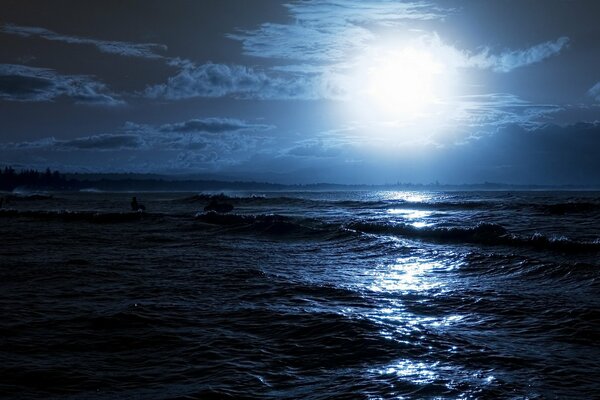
127	49
192	134
497	109
102	142
201	144
513	59
212	80
594	92
30	84
330	30
335	31
214	125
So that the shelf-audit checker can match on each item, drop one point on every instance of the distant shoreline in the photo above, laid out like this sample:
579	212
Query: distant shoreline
32	180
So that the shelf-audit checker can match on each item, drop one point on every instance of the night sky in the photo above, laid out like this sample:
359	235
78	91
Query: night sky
305	91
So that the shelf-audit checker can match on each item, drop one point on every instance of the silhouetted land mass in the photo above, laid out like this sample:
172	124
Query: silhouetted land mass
29	178
49	180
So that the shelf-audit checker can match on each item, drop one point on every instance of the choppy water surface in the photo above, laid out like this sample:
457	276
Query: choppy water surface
301	295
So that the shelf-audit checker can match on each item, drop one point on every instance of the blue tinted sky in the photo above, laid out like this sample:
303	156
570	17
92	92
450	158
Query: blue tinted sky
341	91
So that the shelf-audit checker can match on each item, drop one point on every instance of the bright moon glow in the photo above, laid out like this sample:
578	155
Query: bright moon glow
403	82
401	94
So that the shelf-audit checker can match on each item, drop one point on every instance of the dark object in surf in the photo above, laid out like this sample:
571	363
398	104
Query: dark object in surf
135	206
219	207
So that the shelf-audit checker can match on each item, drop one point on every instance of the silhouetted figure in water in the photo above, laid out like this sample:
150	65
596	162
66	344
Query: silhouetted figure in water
135	206
214	205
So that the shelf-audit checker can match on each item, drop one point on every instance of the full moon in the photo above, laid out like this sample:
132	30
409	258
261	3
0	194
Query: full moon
402	93
403	82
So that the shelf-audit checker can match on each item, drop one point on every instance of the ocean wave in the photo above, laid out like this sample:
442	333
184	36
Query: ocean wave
542	241
199	198
249	200
481	233
544	268
283	201
272	224
76	216
444	205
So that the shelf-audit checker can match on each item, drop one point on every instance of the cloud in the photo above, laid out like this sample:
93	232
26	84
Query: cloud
30	84
103	142
127	49
219	80
506	61
209	80
328	42
200	144
297	42
594	92
512	59
335	31
224	138
214	125
497	109
383	12
330	30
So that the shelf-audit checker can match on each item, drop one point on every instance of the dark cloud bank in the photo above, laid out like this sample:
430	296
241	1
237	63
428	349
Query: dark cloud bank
31	84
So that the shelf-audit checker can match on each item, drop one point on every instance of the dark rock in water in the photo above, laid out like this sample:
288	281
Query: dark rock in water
218	207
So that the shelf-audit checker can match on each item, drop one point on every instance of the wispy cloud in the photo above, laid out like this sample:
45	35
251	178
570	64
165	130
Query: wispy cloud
497	109
208	134
30	84
220	80
317	54
330	30
128	49
511	59
382	12
201	144
298	42
335	31
209	80
103	142
594	92
214	125
225	137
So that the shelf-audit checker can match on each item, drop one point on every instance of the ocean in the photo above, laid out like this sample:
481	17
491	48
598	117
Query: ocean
301	295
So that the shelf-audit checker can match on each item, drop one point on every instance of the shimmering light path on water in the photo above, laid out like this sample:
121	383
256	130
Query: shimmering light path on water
301	295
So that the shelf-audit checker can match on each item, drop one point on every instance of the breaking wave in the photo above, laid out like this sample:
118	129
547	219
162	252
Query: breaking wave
483	233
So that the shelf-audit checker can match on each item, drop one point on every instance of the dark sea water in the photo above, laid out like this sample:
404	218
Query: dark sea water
303	295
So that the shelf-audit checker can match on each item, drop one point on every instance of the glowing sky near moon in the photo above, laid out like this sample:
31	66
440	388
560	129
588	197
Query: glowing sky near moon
336	90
